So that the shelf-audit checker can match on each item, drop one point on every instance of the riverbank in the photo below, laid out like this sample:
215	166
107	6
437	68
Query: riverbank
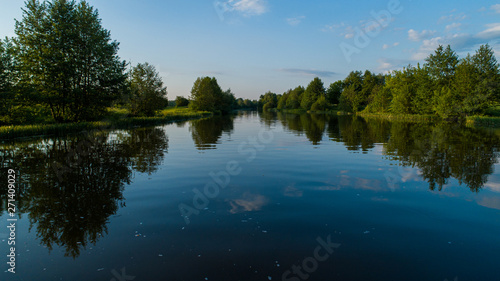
400	117
470	121
116	119
483	121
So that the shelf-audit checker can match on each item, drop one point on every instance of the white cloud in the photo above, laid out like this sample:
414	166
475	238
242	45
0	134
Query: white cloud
492	31
496	8
333	27
387	46
246	7
452	17
416	36
427	47
295	21
458	41
384	66
349	35
455	25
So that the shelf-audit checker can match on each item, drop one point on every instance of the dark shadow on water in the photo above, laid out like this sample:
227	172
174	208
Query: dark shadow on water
207	132
69	187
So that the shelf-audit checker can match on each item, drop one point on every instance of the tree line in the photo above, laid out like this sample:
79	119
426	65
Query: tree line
444	85
63	66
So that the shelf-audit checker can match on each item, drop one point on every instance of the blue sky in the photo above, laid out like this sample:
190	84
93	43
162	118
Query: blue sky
253	46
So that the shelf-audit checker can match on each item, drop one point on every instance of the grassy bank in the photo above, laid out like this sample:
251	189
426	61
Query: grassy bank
471	121
302	111
116	119
483	121
400	117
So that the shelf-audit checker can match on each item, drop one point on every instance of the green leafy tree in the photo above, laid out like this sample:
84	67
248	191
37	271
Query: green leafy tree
293	99
147	93
488	71
68	58
442	65
207	95
7	77
228	101
403	88
422	102
446	104
313	92
334	91
476	82
320	105
282	100
181	101
381	101
351	97
268	101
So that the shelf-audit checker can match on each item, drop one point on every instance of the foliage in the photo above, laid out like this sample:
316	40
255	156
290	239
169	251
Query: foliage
7	77
334	91
320	104
206	95
294	97
268	101
181	101
246	104
68	59
313	92
442	65
147	93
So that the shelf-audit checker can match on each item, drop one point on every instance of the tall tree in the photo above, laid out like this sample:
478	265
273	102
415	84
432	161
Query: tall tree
293	100
442	65
68	58
6	80
403	88
207	95
488	70
334	91
351	98
147	93
313	92
268	101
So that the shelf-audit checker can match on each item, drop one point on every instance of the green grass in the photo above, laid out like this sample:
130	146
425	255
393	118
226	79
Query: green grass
483	121
400	117
181	111
116	119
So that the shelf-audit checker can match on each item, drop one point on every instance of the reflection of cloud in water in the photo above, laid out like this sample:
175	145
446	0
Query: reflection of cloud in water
493	186
249	202
490	202
291	191
360	183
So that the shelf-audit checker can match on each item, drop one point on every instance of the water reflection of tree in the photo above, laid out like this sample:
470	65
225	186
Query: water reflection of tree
71	209
206	132
357	133
313	125
445	151
440	151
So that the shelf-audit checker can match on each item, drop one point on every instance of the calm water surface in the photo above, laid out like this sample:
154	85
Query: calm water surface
257	197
